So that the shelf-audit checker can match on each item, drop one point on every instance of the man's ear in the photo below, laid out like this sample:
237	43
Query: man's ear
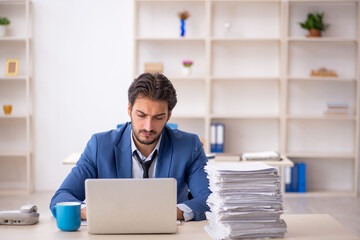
169	116
129	109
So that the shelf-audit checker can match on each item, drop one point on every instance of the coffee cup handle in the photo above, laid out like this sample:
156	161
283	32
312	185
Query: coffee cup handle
54	211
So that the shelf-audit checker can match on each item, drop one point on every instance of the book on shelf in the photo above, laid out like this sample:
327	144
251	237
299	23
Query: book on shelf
295	178
217	131
337	108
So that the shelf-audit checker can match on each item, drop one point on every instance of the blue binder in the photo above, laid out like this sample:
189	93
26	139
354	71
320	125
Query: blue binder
220	132
213	137
287	179
217	132
294	178
302	177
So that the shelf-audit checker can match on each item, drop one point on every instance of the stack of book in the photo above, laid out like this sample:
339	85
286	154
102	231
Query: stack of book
246	201
337	108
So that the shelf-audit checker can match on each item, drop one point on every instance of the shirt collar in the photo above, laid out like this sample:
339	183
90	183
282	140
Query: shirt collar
134	148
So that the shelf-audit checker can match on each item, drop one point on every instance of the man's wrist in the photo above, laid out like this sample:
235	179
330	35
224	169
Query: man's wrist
187	212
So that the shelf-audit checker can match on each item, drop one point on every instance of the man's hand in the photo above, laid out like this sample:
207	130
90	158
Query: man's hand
180	214
83	213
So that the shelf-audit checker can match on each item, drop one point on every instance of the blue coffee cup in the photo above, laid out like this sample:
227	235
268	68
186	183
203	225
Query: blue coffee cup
67	215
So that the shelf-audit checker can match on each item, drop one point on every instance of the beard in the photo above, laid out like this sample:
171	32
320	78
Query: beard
147	141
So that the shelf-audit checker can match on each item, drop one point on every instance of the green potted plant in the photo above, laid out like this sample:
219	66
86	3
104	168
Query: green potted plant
314	23
3	23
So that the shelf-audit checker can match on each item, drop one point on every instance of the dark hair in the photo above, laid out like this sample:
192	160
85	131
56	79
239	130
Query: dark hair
154	86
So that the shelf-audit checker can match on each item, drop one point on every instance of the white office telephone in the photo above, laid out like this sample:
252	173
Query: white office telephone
27	215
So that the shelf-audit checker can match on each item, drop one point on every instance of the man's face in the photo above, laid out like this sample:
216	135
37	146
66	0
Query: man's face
148	118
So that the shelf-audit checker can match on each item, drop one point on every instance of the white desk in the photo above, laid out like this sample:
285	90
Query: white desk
306	226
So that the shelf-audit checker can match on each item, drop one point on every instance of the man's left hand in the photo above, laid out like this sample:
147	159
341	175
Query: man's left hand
180	214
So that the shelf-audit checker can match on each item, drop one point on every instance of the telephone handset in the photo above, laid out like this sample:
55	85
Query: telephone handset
27	215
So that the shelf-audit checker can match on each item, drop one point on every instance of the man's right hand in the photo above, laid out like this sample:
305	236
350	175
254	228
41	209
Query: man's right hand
83	213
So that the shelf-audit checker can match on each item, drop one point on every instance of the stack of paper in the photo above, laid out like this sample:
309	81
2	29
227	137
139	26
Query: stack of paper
246	201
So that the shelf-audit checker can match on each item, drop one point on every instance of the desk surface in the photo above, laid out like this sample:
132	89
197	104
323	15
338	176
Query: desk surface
304	226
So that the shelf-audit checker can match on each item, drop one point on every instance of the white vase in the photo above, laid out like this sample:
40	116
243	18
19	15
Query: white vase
2	30
186	71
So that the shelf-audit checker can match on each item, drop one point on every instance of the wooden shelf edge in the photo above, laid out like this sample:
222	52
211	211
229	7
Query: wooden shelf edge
14	154
187	117
224	116
14	191
245	78
15	116
322	117
320	155
219	39
170	39
320	194
307	78
321	39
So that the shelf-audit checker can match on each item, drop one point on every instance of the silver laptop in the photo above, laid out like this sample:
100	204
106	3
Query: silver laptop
123	206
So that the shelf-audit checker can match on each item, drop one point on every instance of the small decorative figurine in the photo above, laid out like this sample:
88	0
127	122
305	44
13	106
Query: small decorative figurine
183	16
227	26
323	72
7	109
187	67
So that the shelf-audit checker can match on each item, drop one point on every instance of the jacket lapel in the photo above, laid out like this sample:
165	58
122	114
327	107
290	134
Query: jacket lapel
164	159
123	158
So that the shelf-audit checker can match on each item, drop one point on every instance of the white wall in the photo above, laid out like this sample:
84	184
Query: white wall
82	69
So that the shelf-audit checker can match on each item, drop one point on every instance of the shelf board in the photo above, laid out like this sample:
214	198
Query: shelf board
187	116
14	154
15	39
240	116
339	79
216	39
322	39
245	78
186	78
12	1
322	1
321	194
169	39
322	117
13	191
247	1
17	78
12	116
162	1
319	155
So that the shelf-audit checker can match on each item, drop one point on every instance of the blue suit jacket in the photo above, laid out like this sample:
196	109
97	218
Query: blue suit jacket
108	155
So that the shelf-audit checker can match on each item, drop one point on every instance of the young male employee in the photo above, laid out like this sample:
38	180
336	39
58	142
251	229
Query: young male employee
143	148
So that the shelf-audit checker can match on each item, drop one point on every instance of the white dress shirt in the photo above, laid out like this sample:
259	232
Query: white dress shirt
137	172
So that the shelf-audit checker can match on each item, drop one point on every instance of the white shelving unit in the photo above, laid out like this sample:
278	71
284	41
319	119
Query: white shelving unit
327	144
255	78
16	129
